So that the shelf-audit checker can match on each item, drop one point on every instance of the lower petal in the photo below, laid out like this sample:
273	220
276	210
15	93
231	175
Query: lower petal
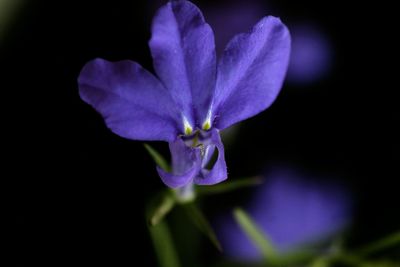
177	180
218	172
186	164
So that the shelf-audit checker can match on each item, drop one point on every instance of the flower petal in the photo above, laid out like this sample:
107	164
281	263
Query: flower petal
133	103
183	50
251	72
218	173
208	154
177	180
186	164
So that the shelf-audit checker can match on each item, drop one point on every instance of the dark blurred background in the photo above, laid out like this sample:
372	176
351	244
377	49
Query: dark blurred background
81	190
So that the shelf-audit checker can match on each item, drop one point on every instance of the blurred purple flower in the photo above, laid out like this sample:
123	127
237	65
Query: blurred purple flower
192	98
291	210
311	55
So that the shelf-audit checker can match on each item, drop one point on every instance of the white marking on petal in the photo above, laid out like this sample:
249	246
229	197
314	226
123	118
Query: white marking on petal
207	123
187	128
205	151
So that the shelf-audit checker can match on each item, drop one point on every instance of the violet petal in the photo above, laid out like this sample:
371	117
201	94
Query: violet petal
133	103
183	50
251	72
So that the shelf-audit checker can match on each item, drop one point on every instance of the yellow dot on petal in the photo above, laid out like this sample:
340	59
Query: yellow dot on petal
187	127
188	130
206	125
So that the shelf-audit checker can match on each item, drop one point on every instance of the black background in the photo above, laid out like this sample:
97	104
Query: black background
81	190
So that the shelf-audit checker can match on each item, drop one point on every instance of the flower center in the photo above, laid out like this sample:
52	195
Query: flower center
198	139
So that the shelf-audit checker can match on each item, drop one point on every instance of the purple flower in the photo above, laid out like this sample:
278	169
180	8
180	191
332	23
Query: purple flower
292	210
192	97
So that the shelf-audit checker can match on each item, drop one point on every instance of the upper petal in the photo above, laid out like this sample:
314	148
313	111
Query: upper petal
251	72
133	103
183	50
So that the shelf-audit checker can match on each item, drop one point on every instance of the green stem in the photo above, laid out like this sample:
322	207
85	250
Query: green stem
185	194
228	186
201	222
257	236
163	245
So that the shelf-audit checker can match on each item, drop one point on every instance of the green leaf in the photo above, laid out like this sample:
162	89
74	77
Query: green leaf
384	243
295	258
160	206
320	262
255	234
201	222
344	259
158	158
163	245
228	186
